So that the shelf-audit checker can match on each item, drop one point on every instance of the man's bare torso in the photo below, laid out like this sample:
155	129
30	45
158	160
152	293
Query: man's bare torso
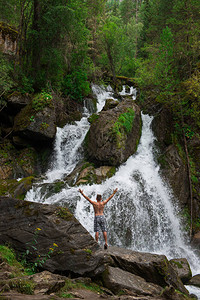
98	208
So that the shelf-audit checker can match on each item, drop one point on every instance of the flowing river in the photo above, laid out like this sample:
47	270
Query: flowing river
142	216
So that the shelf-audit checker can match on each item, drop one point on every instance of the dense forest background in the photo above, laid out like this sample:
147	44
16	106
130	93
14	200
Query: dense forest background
63	46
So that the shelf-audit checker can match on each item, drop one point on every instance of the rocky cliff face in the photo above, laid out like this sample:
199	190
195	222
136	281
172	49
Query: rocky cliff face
173	165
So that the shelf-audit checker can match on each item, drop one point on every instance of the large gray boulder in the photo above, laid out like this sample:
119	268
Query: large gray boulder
36	126
74	250
16	101
195	280
182	268
152	267
114	134
118	280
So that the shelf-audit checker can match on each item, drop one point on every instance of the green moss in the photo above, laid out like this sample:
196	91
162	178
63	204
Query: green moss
93	118
8	255
23	286
27	208
14	94
58	186
89	251
86	165
69	286
7	186
65	214
22	120
111	172
178	264
11	185
72	251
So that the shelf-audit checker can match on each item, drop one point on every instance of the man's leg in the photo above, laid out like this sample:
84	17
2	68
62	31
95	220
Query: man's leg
97	236
105	237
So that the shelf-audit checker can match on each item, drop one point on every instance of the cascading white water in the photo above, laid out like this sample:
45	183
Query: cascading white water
141	216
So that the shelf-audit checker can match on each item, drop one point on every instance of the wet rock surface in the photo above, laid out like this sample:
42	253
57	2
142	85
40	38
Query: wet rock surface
115	134
182	267
75	253
152	267
117	280
40	127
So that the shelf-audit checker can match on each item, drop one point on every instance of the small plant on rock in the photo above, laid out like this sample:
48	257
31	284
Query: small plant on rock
32	250
41	101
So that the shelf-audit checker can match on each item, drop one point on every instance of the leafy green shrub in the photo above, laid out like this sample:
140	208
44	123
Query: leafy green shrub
42	100
6	80
124	122
32	250
76	85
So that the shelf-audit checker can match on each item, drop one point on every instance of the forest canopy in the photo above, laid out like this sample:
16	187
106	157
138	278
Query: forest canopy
66	45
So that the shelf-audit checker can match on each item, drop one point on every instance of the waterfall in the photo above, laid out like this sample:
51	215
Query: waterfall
142	215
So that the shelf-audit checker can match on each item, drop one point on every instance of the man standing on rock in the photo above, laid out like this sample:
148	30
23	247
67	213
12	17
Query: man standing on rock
99	219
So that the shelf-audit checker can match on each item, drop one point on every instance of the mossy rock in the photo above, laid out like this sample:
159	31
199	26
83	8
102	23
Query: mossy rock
93	118
114	136
110	103
65	214
15	188
23	119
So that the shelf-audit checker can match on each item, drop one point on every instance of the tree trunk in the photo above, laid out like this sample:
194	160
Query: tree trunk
36	46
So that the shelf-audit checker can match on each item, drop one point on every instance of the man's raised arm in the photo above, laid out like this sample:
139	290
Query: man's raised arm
86	197
104	202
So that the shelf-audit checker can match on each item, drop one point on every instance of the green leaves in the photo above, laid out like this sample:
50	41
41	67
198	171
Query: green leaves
41	101
6	80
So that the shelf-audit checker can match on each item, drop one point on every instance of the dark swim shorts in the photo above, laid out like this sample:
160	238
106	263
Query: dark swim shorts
100	223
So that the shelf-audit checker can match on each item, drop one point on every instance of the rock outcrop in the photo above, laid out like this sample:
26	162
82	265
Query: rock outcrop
8	39
152	267
114	134
36	126
173	166
182	268
72	251
76	253
118	280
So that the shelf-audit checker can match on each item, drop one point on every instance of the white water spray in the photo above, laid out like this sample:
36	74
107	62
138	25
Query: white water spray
141	216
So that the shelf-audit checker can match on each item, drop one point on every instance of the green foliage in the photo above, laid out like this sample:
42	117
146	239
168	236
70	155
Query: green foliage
10	11
42	100
44	126
23	286
32	118
65	214
6	79
191	97
93	118
32	250
8	255
76	85
124	122
69	286
145	74
165	69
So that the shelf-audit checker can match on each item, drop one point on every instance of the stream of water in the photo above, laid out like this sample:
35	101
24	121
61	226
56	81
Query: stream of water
142	215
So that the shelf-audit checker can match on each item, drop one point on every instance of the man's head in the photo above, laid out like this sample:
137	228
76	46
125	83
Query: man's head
99	197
